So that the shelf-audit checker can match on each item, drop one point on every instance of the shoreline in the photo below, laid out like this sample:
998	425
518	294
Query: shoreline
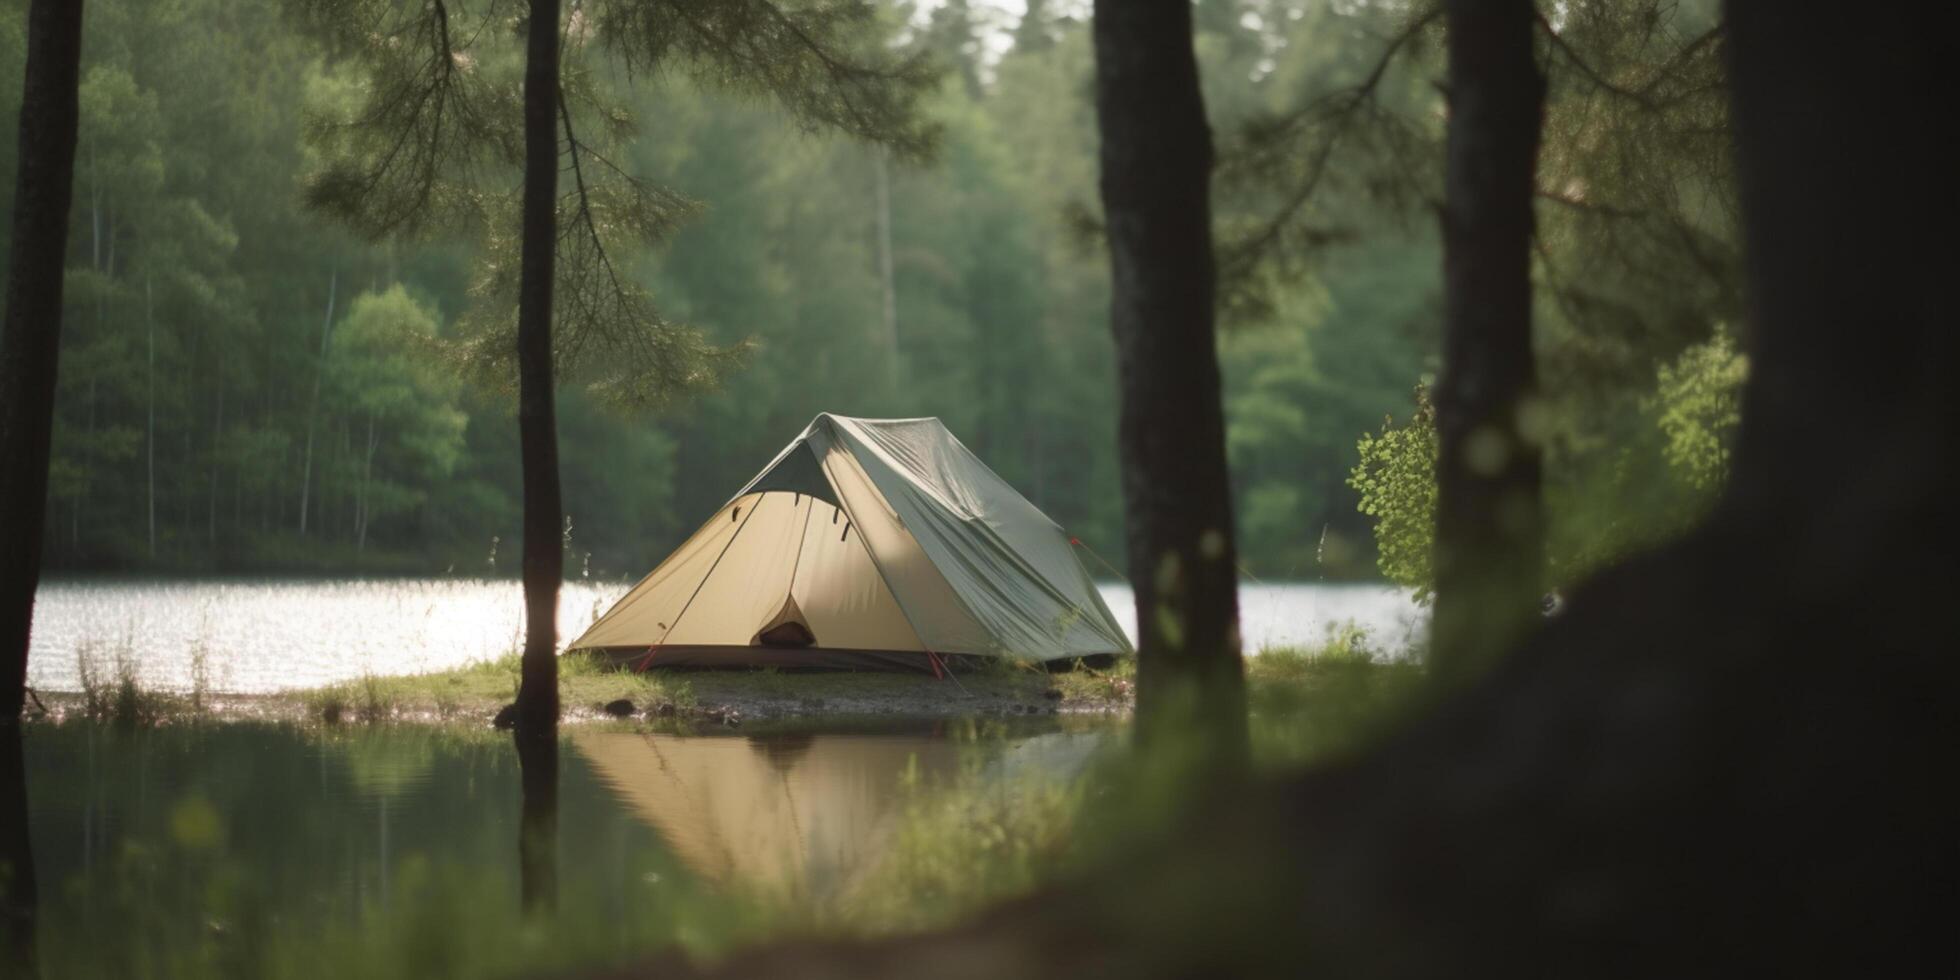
590	692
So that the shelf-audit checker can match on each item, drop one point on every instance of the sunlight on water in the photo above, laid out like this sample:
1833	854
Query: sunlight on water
266	635
1293	615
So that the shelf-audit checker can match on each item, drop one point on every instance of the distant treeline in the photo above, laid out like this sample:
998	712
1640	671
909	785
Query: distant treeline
243	386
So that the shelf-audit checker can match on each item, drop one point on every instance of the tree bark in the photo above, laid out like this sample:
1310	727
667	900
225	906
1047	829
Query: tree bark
1726	758
30	337
30	347
313	404
1156	172
537	696
1489	524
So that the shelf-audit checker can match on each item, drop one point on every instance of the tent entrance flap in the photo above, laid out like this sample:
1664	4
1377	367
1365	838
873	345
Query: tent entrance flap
787	629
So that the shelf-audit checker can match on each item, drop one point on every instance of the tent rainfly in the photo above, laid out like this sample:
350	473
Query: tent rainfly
880	543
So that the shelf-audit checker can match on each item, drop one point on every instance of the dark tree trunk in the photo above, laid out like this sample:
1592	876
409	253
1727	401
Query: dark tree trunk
537	696
1156	174
30	338
30	347
1727	758
1489	528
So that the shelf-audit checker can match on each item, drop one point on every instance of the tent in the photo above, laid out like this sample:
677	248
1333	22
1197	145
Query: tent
866	543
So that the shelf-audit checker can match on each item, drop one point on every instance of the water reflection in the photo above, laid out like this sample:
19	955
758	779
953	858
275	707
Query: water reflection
18	899
537	831
797	815
188	841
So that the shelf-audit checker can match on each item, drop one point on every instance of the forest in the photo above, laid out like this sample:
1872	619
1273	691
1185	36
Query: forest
251	386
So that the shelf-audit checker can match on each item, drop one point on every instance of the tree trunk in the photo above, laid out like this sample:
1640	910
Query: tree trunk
217	448
30	347
313	404
887	285
1156	172
367	478
1489	528
537	696
150	412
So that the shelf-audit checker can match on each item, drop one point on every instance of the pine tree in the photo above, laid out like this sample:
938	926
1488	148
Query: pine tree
441	119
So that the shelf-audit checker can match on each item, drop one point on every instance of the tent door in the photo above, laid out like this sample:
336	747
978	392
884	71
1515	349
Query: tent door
787	628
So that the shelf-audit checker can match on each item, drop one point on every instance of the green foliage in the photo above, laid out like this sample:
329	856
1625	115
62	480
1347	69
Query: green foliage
1336	150
1396	479
1699	406
203	123
424	137
1298	392
1606	498
822	61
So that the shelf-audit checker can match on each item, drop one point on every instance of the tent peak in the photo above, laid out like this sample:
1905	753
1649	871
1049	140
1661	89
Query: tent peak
833	417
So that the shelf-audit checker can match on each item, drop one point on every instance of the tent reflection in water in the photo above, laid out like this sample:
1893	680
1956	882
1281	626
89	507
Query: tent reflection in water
878	543
806	816
792	816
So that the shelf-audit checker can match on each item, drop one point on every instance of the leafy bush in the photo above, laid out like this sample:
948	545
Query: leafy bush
1397	482
1606	494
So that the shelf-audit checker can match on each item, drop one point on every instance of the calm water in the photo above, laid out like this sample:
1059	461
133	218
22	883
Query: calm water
156	841
263	635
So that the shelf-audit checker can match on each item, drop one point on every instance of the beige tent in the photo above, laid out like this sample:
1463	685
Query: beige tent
866	543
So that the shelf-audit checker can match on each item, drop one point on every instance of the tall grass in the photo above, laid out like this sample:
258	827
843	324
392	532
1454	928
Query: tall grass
119	697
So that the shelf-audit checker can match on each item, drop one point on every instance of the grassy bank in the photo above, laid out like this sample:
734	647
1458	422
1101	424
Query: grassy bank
1300	697
475	693
588	686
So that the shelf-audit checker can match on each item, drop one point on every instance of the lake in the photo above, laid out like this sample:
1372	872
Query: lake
209	843
258	635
